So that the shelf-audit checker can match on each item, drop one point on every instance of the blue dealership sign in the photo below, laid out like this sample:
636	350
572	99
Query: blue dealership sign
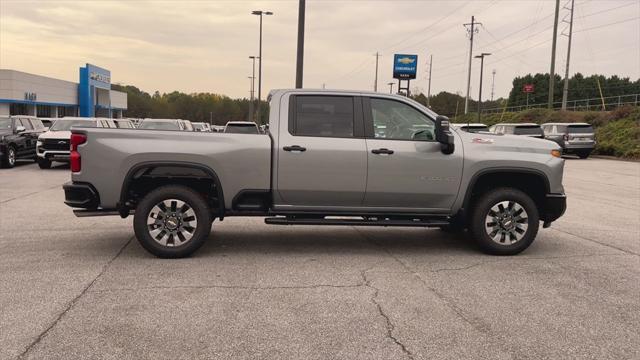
91	78
405	67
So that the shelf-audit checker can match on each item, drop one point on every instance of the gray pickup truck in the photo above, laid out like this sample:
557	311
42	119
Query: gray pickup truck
328	158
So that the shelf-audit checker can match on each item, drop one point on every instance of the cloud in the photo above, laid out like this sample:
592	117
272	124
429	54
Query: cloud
203	46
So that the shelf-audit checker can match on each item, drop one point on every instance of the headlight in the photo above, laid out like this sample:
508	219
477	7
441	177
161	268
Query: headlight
39	143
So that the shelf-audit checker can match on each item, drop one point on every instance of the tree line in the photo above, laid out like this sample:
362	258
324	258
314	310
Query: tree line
201	107
218	109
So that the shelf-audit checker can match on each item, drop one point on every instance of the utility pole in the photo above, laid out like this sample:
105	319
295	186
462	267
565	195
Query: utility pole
565	91
481	57
375	82
429	87
552	72
390	87
493	83
300	57
472	30
253	88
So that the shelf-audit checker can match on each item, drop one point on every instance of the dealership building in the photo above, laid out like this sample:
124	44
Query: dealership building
29	94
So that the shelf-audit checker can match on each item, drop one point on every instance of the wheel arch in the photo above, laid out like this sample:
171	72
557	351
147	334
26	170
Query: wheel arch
168	170
533	182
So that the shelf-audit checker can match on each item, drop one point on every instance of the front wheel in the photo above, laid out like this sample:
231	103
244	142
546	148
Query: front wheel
9	158
172	221
504	221
43	163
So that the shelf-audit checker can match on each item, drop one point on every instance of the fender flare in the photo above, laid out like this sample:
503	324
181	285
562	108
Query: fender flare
183	164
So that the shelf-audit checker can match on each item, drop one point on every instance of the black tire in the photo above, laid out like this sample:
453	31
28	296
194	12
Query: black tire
584	154
43	163
9	158
193	201
504	244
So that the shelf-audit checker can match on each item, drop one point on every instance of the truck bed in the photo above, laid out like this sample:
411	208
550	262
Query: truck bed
241	161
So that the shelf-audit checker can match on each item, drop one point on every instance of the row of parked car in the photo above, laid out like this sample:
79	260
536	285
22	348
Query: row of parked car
46	140
574	138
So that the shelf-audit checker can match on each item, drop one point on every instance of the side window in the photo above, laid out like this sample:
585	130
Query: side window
27	124
325	116
37	124
16	123
395	120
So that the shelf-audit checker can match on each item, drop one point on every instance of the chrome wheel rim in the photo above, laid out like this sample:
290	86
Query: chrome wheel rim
172	222
506	222
12	157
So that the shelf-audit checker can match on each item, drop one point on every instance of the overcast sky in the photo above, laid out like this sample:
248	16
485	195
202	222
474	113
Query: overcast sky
203	46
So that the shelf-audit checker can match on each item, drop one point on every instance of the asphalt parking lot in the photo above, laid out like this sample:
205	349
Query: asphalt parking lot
84	288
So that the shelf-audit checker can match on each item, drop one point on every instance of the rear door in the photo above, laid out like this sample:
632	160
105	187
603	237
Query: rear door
321	154
407	168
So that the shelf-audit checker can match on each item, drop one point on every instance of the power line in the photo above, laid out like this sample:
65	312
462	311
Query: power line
609	24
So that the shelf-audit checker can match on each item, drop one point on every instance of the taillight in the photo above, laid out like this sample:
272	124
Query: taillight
74	156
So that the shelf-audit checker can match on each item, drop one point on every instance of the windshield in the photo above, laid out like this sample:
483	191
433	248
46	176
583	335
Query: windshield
580	129
528	130
158	125
64	125
241	129
5	123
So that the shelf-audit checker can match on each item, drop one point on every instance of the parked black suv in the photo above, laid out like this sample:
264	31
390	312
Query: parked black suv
574	138
18	137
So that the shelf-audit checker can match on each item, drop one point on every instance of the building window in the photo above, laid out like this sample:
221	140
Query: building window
43	111
18	109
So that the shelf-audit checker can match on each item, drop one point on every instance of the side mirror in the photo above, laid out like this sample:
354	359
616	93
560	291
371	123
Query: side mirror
444	135
20	129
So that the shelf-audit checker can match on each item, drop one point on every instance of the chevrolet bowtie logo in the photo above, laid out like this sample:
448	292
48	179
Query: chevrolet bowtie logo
406	60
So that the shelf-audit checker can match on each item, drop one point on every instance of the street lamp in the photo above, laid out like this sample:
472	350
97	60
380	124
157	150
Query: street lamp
253	87
260	13
390	87
481	57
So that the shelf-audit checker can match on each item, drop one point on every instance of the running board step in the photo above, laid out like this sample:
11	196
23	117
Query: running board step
281	220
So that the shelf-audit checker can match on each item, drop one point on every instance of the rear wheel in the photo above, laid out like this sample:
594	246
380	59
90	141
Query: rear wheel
504	221
172	221
44	163
9	158
583	154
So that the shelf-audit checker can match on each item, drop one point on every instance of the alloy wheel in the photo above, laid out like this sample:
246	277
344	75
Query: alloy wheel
506	222
172	222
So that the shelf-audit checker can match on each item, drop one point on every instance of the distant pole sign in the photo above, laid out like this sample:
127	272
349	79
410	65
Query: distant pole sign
528	88
405	66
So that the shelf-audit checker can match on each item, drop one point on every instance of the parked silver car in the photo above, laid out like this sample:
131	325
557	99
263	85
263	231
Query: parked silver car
574	138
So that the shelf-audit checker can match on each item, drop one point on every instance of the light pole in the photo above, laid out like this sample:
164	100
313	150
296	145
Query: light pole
260	13
253	88
300	51
390	87
481	57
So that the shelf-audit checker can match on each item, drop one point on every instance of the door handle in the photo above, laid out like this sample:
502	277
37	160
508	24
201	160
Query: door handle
294	148
382	151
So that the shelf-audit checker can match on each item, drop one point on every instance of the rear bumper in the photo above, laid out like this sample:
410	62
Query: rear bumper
81	195
554	207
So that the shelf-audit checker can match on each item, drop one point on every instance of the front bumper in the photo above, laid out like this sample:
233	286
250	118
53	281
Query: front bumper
81	195
554	207
53	155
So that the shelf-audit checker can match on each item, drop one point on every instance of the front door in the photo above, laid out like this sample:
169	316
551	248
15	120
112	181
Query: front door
322	158
407	168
